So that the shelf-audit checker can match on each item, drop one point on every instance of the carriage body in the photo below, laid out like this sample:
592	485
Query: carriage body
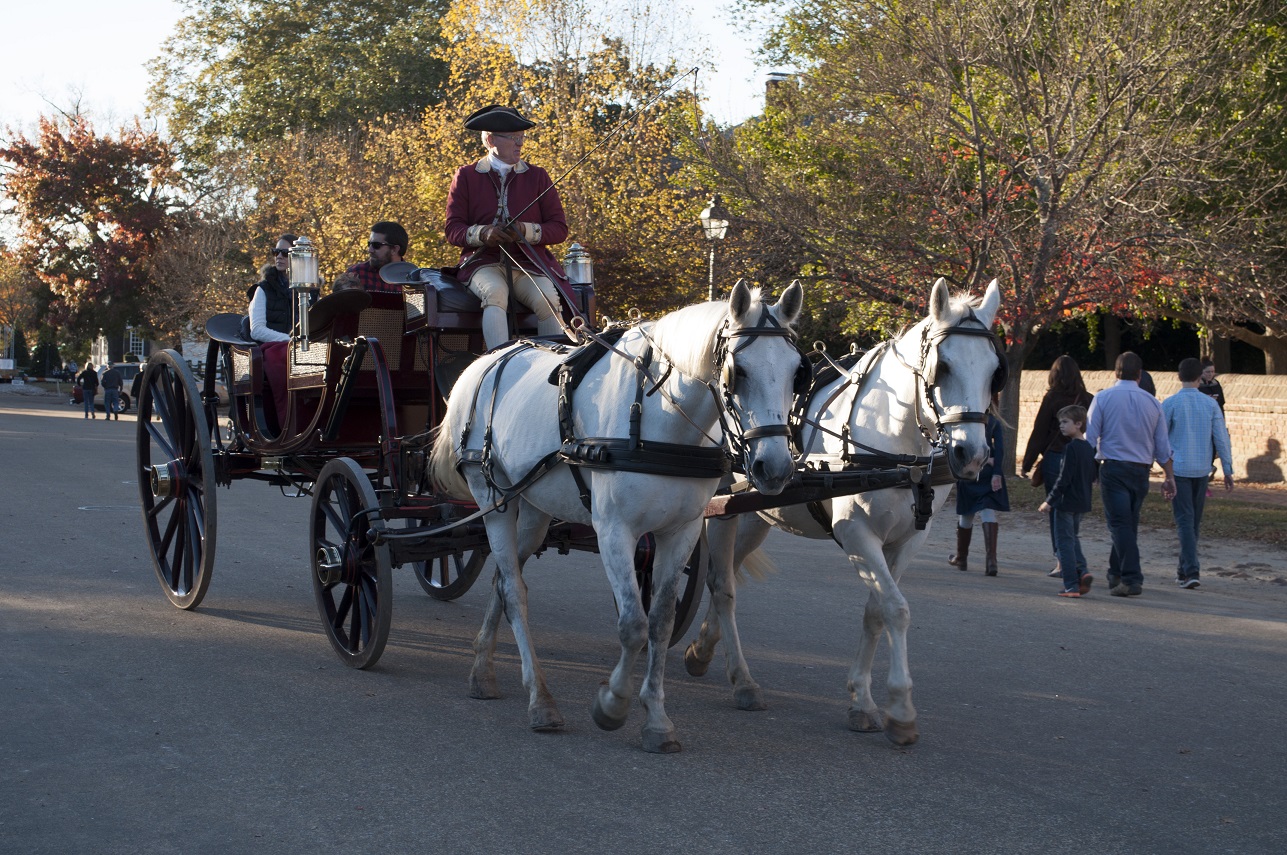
364	393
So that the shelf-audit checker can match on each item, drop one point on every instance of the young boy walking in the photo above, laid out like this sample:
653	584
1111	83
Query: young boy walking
1069	498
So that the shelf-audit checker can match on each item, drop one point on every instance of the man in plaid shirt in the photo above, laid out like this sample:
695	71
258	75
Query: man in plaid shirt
388	243
1196	427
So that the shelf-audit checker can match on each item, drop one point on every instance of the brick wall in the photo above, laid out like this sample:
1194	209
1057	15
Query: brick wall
1255	411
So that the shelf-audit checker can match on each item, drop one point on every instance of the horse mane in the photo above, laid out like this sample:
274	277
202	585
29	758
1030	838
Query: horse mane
689	336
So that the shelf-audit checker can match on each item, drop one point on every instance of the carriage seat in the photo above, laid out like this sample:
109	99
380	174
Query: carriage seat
230	328
437	300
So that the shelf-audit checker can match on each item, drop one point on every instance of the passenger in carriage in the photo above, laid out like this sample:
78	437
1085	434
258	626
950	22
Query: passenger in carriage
270	319
497	261
387	244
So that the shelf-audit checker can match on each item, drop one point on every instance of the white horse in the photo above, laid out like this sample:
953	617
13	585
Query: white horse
503	422
932	382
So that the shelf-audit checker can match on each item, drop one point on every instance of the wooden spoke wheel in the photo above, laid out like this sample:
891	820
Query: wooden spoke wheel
176	479
691	584
448	577
352	575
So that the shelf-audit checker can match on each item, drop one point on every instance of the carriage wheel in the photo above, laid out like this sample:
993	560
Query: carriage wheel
448	577
176	479
690	586
352	576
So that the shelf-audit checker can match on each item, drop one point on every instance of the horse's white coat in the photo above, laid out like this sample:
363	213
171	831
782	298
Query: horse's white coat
876	529
625	505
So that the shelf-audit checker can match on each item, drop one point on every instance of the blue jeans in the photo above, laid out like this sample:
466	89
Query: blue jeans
1123	486
1190	499
1050	465
88	397
111	402
1072	563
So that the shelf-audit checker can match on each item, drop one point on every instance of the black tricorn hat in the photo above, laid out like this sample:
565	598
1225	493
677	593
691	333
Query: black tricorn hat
498	119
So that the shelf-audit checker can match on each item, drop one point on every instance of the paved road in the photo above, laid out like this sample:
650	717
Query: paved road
1154	725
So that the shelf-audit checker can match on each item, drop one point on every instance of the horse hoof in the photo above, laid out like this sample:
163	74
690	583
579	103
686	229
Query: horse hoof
696	666
901	732
750	698
865	722
660	742
483	690
544	719
602	718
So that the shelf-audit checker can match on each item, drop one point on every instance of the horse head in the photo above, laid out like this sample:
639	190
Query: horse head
961	367
758	378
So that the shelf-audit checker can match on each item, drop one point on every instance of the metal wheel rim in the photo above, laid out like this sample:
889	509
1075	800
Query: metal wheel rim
172	436
356	610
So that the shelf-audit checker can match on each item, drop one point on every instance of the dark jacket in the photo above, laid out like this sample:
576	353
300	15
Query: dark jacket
112	379
1045	437
1215	390
88	380
277	310
974	496
1079	470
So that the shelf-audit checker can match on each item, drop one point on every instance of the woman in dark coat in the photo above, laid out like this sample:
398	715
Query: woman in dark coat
984	497
1064	388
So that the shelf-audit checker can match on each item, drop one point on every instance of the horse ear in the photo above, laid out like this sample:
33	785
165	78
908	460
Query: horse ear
739	302
790	304
987	310
940	300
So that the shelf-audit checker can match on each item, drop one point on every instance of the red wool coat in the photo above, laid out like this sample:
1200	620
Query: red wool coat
477	198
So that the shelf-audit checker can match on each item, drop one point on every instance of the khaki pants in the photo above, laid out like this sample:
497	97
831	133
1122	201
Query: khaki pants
489	285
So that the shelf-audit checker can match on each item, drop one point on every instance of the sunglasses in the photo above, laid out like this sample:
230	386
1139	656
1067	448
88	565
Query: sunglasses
516	138
375	244
280	252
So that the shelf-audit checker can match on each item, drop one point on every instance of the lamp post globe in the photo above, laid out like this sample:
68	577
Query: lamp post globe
715	226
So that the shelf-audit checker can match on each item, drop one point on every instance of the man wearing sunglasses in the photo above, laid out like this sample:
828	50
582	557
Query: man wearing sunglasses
387	244
504	213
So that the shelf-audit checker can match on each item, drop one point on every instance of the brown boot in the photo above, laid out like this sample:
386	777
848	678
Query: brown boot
990	544
961	558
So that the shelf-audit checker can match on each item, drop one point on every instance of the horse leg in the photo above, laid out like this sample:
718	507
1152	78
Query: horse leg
886	610
864	715
612	701
511	590
659	735
733	541
482	676
533	525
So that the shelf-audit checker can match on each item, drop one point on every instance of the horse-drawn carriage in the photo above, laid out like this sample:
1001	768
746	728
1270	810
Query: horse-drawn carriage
369	377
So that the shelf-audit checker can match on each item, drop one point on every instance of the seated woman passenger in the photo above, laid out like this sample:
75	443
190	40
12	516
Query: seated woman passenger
270	320
487	195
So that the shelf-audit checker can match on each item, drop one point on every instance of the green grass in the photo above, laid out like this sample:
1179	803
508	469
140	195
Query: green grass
1227	519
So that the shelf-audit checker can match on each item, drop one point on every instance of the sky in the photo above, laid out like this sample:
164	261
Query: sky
101	50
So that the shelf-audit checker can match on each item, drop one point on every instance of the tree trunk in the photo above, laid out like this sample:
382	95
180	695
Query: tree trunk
1112	341
1216	348
1014	357
1275	355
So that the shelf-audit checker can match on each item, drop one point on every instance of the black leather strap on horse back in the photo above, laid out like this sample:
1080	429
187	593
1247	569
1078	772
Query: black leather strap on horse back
648	457
579	362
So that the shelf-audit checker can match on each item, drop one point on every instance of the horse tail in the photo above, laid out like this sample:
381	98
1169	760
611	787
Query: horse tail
758	566
444	463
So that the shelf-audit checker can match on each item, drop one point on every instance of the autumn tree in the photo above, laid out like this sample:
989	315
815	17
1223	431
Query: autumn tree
584	81
91	207
237	74
1049	145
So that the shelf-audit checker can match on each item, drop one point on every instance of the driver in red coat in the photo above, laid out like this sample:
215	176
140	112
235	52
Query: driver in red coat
501	255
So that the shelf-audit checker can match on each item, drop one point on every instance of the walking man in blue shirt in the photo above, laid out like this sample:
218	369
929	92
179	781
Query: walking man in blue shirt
1195	426
1128	430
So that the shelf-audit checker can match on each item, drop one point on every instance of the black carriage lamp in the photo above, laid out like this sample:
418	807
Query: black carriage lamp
303	279
715	226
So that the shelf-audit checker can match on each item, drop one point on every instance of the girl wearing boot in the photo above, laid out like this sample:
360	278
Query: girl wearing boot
984	497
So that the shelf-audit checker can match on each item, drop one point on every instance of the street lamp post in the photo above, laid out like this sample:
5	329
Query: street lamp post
715	227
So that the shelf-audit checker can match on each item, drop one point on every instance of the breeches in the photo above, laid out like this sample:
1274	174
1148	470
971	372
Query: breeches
489	285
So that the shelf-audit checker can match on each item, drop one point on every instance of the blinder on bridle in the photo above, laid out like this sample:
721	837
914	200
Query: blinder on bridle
767	325
929	342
